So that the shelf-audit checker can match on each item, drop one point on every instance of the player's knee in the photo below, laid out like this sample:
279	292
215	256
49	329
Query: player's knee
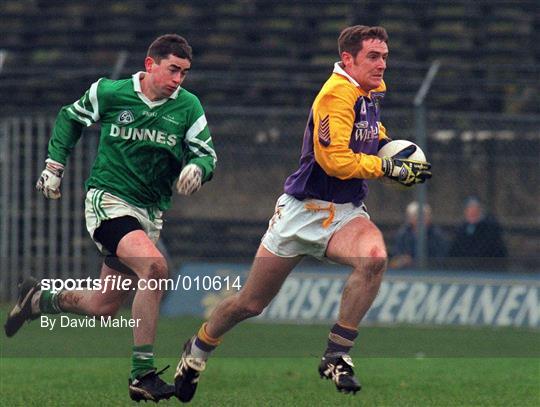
375	266
157	269
373	262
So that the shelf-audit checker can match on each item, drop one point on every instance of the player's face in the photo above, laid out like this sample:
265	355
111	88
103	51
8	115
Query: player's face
368	67
168	75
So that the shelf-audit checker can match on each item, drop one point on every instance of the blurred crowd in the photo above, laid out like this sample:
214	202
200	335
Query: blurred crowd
477	241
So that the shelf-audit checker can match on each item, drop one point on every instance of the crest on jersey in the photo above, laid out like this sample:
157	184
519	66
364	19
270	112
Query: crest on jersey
364	124
125	117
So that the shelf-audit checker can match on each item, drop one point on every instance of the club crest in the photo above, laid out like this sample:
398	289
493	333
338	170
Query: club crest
125	117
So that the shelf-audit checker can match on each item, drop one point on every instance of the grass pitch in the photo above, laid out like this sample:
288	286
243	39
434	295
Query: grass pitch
276	365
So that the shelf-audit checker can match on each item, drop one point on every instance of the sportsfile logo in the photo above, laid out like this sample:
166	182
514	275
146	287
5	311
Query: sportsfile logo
109	283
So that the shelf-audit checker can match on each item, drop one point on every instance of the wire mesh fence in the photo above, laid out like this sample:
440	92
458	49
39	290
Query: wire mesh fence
493	157
472	154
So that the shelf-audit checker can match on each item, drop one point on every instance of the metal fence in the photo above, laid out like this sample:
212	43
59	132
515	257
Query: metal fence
493	157
38	236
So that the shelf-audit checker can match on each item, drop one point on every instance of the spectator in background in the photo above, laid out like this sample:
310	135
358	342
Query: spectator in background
480	236
404	254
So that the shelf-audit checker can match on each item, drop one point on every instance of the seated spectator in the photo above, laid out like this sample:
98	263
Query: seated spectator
480	236
404	253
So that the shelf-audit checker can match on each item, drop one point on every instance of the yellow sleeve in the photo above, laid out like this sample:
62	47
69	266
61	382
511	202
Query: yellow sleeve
382	131
333	120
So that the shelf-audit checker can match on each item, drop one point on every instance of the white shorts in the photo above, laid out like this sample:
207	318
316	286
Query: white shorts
100	205
300	228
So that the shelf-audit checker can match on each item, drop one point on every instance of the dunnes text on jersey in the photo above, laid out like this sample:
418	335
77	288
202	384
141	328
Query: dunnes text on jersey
135	134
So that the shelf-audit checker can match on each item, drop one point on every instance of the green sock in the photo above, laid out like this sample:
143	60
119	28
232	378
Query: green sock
48	302
142	360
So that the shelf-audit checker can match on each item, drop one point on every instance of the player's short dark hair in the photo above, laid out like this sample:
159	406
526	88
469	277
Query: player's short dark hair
351	38
168	44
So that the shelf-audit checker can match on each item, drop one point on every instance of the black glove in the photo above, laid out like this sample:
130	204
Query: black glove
405	171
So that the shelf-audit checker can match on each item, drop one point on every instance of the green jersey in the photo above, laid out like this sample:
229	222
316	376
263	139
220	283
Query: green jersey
143	144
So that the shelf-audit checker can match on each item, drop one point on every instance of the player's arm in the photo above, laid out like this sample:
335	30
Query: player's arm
201	157
67	130
383	137
70	122
333	120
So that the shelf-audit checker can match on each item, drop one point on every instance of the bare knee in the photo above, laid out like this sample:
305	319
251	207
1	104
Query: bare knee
375	266
157	269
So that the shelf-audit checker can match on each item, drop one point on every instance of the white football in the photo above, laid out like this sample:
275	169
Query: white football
395	146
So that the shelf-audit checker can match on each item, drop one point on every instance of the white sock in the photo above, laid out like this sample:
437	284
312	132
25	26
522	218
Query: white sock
197	352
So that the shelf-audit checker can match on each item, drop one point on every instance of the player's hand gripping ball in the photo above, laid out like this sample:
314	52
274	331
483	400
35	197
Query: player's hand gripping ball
405	163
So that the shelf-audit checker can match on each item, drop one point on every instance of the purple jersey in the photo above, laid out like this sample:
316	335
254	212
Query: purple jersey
340	143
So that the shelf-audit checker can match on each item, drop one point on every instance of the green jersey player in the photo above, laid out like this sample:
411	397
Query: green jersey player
153	133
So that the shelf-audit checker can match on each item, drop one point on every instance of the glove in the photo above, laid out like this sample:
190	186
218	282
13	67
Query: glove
407	172
190	180
50	179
